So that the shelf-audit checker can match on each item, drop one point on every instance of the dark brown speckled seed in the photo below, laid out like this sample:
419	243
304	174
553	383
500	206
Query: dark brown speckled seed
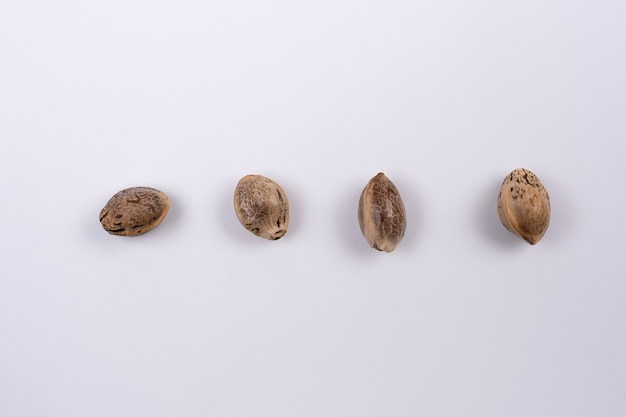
524	205
134	211
262	207
381	214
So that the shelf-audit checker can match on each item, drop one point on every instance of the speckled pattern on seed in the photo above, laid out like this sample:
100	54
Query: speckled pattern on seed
262	207
524	205
134	211
381	214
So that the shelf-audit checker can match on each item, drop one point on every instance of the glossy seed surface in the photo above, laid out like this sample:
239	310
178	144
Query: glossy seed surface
524	205
134	211
381	214
262	207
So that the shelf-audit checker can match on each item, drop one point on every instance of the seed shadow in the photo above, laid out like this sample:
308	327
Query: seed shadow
563	214
414	223
487	221
347	223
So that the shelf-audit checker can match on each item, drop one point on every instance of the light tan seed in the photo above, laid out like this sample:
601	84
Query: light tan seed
134	211
381	214
262	207
524	205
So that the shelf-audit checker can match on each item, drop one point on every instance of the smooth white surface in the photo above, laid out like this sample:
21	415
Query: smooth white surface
201	318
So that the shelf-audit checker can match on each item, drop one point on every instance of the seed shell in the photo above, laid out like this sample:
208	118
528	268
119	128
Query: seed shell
381	214
262	207
134	211
524	205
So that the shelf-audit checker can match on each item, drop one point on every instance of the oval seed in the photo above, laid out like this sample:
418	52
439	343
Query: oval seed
524	205
134	211
381	214
262	207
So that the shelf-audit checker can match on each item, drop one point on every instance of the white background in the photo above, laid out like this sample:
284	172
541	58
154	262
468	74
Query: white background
201	318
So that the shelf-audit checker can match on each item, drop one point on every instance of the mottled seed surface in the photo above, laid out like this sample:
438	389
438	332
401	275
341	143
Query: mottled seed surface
381	214
262	207
134	211
524	205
